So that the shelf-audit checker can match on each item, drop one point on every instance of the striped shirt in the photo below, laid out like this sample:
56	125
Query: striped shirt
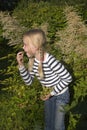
55	74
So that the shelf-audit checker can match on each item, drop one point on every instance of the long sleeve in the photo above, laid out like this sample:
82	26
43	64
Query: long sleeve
56	75
26	75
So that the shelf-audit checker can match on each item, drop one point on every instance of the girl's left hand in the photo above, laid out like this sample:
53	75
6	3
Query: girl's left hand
45	97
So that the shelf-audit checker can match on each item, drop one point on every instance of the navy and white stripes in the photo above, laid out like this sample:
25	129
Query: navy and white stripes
55	74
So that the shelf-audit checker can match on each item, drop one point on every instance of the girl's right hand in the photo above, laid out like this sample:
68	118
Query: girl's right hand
20	58
44	98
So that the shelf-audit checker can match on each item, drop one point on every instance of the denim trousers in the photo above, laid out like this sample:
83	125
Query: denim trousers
54	111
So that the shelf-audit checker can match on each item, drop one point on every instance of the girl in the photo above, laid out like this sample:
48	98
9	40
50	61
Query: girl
51	74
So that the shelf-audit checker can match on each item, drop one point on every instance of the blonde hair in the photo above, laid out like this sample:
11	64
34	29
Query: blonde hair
38	40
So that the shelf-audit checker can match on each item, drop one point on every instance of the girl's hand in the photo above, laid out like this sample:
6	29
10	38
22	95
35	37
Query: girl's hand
20	58
45	97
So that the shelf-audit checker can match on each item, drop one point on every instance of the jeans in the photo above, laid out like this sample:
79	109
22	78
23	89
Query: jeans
54	111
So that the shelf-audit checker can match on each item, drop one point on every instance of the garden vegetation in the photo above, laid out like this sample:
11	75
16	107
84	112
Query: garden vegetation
66	30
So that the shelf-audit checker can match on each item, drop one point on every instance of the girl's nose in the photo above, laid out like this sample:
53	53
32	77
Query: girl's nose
23	47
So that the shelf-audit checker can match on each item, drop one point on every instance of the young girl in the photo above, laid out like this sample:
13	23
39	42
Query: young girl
51	74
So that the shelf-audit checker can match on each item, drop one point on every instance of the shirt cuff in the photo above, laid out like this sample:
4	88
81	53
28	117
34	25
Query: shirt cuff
52	93
21	68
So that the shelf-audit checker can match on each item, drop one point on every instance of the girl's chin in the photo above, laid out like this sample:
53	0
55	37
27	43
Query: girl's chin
28	55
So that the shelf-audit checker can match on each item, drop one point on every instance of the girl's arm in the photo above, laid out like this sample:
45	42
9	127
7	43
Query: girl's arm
27	77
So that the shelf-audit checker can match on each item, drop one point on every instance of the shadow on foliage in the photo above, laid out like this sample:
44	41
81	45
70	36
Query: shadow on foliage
81	109
8	5
5	50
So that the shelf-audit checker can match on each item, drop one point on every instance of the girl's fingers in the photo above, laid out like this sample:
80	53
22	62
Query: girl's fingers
20	57
19	54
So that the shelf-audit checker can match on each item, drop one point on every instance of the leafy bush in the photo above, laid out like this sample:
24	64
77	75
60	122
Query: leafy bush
66	37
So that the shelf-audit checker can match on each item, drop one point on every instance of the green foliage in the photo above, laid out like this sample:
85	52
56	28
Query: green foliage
41	13
20	105
73	122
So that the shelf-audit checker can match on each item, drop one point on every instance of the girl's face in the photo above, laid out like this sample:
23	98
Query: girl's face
28	47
